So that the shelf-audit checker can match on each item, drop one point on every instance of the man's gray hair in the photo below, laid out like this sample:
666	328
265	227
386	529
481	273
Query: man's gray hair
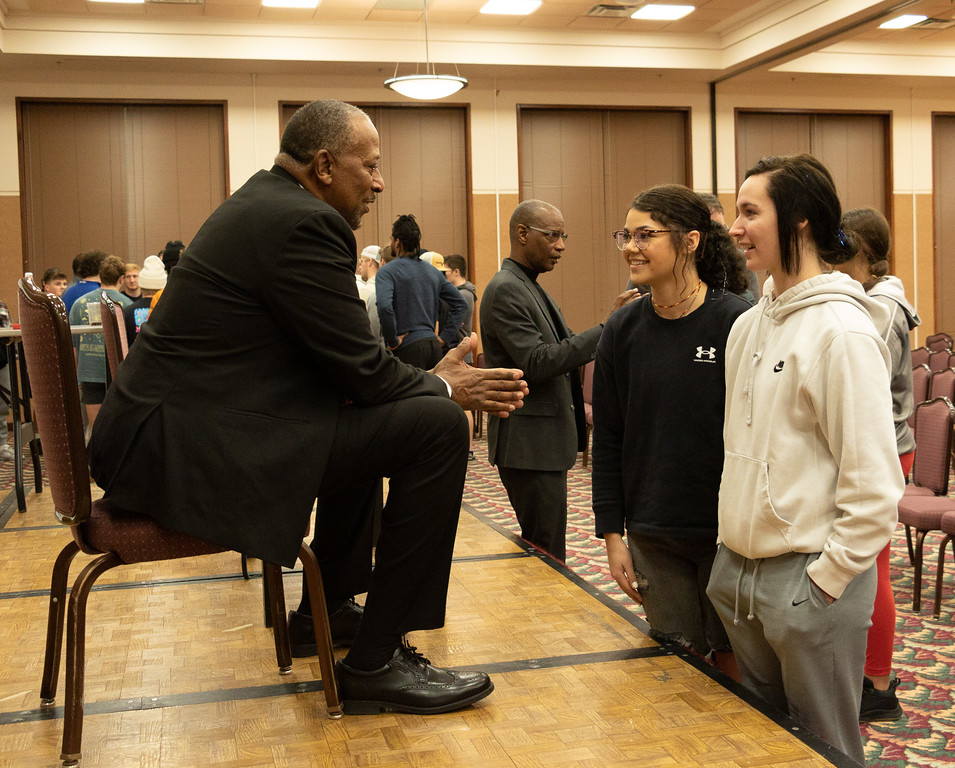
316	126
529	214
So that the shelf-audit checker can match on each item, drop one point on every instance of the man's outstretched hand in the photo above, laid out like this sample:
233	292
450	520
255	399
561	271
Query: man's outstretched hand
495	390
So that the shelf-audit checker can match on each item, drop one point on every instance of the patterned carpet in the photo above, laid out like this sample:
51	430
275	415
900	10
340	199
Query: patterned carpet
925	647
924	652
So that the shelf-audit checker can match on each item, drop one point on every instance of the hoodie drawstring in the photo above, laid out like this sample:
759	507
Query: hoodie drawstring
754	360
752	591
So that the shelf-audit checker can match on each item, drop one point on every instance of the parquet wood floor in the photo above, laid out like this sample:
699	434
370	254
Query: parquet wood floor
181	674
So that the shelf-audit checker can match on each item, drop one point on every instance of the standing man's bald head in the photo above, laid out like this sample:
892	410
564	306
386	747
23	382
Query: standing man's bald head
529	213
537	235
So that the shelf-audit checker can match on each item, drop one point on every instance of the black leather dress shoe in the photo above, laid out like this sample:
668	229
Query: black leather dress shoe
408	683
343	621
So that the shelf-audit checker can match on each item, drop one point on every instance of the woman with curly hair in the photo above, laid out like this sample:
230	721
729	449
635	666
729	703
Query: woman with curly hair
658	415
811	477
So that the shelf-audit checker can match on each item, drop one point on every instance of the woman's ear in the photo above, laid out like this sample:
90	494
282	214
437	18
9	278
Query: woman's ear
692	241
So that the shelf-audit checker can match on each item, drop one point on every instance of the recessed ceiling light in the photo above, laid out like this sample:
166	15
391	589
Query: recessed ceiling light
656	12
511	7
901	22
309	4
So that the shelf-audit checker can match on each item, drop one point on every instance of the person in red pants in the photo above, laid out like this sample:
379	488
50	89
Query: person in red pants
870	267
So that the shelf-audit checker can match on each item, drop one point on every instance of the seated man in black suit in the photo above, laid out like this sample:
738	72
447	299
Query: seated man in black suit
257	386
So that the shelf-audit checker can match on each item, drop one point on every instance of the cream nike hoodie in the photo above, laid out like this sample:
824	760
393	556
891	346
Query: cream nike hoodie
811	462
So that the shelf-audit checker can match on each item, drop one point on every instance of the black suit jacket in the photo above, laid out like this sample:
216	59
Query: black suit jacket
220	420
518	330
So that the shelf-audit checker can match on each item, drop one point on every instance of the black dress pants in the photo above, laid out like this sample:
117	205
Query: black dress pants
424	354
539	499
421	444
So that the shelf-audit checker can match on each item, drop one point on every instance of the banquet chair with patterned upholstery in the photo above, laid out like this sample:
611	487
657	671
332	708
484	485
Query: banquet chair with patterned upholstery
938	360
942	384
113	536
478	415
947	527
925	499
587	383
920	356
938	341
114	334
920	378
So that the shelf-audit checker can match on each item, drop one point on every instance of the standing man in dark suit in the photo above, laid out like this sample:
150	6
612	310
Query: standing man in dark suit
521	326
257	386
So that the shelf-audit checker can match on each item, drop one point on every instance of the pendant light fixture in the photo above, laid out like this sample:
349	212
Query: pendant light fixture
428	85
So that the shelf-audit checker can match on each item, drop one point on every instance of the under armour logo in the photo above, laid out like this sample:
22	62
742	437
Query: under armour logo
706	355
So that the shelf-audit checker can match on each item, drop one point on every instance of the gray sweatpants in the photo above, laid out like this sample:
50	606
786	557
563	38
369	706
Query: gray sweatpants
794	649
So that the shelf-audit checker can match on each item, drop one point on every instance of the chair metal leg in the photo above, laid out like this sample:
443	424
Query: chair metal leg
917	578
908	541
267	601
16	410
274	590
37	469
940	574
54	623
323	634
76	656
245	568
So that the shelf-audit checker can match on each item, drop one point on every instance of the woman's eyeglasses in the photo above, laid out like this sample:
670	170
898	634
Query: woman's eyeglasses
641	238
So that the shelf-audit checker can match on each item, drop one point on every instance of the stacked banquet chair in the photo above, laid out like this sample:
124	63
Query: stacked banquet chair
947	527
113	536
938	359
587	384
920	356
941	384
114	334
925	499
478	415
938	341
920	380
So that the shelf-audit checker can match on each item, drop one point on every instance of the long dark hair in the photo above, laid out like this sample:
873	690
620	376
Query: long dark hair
802	188
681	210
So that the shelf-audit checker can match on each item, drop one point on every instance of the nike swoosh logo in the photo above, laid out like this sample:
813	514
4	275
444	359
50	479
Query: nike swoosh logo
800	602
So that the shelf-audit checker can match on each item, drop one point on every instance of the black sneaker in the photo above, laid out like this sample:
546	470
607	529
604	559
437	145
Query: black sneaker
879	705
408	683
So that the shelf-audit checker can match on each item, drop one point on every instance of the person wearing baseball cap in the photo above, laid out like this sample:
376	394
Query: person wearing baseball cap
368	263
435	259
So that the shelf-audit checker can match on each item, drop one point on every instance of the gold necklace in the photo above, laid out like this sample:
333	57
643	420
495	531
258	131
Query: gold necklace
677	303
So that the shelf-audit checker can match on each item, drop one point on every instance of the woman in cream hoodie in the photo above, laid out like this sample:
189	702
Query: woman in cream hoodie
811	477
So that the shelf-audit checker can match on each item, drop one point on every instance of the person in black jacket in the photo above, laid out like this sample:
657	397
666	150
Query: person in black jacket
257	386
